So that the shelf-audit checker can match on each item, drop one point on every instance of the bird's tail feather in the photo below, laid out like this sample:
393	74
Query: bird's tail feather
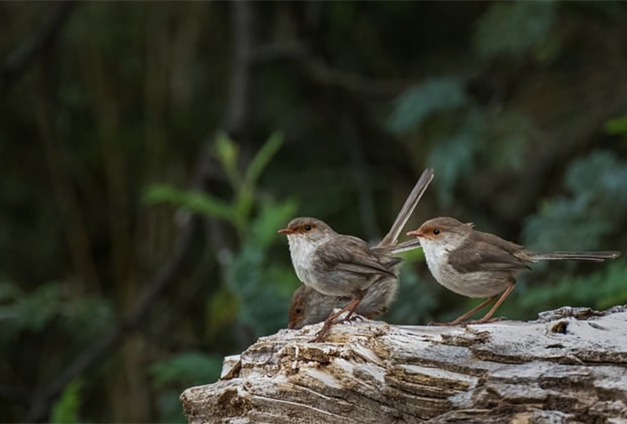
575	256
406	245
408	208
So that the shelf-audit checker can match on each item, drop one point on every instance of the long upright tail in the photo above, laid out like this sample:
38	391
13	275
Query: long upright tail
408	208
575	256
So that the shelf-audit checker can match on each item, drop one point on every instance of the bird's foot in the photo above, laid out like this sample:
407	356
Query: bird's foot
446	324
484	321
350	320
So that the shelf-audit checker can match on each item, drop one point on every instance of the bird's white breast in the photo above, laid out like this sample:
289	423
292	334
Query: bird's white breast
302	253
436	255
470	284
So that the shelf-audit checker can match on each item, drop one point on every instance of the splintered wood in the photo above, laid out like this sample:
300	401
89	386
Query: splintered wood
568	366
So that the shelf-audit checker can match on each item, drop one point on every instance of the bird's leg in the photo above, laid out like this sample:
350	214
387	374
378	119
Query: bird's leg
359	296
486	317
463	317
350	308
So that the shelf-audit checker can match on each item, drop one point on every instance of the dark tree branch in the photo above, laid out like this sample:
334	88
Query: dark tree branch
235	121
237	112
319	71
23	56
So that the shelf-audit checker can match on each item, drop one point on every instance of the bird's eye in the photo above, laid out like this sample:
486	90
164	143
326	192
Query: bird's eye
298	311
436	231
307	227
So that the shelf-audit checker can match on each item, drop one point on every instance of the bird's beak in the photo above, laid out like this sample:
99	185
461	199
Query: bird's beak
416	233
285	231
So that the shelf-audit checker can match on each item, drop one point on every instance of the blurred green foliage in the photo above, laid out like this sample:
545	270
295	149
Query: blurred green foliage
514	28
459	132
591	214
417	104
184	370
518	106
81	319
617	126
255	290
66	410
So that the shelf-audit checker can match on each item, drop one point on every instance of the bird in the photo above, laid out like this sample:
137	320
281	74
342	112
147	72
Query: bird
340	265
309	306
482	265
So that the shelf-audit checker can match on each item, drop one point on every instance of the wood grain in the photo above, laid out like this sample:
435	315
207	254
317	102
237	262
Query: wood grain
568	366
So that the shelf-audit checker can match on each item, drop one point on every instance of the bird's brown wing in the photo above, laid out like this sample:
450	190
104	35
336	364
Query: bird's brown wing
348	253
486	252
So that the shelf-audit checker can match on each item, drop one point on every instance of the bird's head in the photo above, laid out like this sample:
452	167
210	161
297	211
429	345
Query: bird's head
310	307
442	231
305	228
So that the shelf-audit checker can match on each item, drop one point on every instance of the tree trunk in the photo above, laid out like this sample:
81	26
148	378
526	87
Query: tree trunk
569	366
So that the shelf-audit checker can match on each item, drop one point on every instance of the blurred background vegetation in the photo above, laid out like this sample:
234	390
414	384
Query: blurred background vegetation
150	151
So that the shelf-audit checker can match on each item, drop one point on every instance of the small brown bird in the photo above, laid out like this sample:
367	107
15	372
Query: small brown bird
477	264
310	307
344	266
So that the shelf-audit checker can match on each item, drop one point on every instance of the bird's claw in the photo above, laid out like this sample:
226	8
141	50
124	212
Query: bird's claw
445	324
485	321
350	320
357	318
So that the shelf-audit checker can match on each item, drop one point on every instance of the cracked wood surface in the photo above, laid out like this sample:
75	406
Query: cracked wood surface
569	366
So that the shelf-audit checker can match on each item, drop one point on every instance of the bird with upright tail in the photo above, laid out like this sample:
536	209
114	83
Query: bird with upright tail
340	265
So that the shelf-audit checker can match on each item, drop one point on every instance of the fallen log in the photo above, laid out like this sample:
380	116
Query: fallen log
568	366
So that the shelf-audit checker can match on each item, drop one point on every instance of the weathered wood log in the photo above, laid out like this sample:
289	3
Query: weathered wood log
568	366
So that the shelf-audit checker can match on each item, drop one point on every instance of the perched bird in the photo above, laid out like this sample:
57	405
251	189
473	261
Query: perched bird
345	266
477	264
309	306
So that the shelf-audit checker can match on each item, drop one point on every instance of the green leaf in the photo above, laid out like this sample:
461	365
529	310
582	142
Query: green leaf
513	27
242	208
271	217
245	192
227	153
418	103
193	201
617	126
66	410
262	158
162	193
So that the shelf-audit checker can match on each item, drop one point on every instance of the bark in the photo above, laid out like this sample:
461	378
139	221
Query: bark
569	366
